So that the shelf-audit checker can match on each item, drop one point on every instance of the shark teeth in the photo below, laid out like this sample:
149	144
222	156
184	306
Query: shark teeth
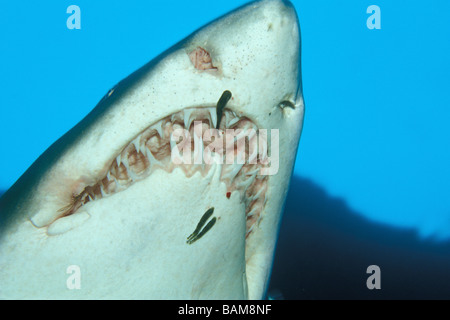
102	191
151	150
137	143
158	127
151	158
119	160
213	117
187	117
231	174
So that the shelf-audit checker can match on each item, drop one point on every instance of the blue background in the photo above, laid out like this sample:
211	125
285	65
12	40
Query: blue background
376	133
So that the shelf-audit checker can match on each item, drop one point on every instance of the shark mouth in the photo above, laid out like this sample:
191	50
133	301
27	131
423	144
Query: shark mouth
153	150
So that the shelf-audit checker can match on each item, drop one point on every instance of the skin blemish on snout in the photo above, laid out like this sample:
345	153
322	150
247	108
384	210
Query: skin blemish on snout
201	59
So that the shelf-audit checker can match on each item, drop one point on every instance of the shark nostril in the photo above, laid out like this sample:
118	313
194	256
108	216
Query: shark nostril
201	59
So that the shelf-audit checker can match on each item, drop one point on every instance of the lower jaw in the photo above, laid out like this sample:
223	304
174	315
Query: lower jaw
134	243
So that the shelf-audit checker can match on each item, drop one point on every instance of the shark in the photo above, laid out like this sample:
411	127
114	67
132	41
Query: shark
110	212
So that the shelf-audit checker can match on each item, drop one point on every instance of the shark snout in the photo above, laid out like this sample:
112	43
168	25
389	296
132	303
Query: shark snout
265	55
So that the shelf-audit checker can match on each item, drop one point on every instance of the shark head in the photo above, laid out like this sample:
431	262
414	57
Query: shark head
111	200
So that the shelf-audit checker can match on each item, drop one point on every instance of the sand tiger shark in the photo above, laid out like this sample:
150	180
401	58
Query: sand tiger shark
108	201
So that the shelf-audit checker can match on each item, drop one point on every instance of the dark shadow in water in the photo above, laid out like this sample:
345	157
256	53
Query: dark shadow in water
325	247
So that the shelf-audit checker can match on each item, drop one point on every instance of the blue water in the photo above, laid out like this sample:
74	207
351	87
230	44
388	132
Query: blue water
376	134
376	129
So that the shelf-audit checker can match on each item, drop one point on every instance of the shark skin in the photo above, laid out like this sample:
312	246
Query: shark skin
107	198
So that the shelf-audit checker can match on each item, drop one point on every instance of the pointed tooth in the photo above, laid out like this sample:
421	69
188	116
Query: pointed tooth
151	158
118	185
233	173
253	148
246	183
252	212
158	127
244	133
247	126
264	159
198	142
187	118
252	134
253	173
173	146
232	122
149	155
252	157
136	143
132	175
250	230
102	192
213	116
163	128
130	172
125	163
258	220
257	195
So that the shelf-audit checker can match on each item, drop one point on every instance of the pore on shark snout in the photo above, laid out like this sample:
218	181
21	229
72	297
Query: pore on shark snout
106	212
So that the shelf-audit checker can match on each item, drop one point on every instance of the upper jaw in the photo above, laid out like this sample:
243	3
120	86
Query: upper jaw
256	53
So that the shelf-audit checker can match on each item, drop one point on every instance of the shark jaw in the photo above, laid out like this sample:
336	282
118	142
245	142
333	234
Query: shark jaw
107	198
154	148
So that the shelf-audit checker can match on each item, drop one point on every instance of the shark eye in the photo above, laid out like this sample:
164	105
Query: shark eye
286	103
